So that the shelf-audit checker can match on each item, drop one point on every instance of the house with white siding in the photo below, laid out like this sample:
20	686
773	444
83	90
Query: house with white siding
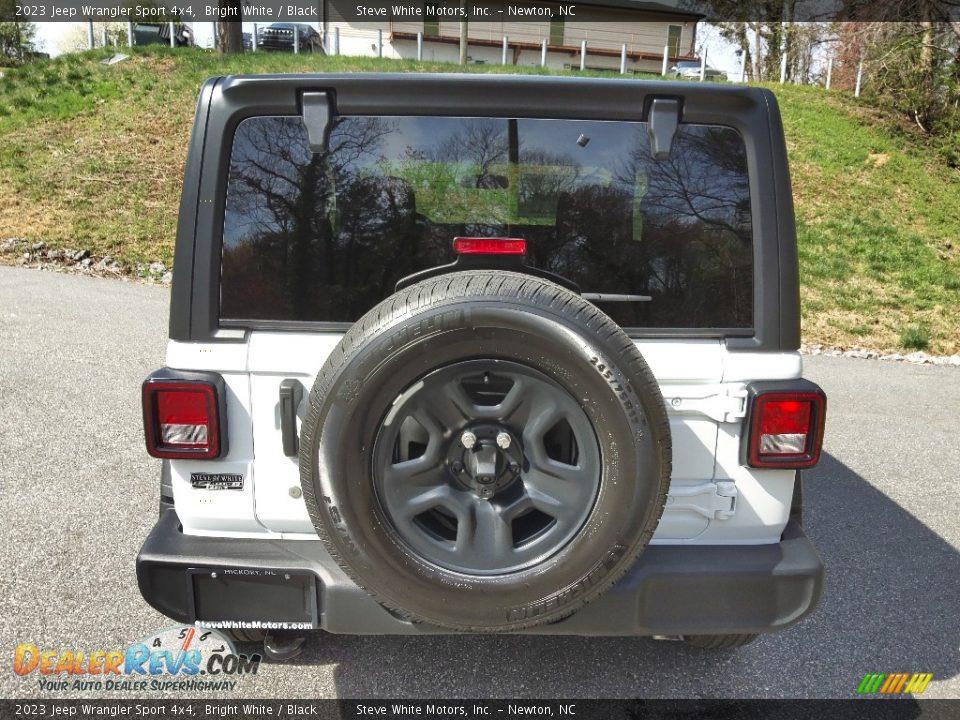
646	29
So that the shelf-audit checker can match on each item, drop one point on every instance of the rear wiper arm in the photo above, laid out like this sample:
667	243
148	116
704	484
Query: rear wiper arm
612	297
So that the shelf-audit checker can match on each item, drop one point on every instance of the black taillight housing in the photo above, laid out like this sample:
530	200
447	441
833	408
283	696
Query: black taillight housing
784	424
184	415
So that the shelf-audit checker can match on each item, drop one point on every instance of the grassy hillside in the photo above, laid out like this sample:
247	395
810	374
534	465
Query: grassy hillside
91	158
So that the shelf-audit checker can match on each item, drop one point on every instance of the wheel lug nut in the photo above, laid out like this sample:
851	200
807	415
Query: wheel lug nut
503	440
468	439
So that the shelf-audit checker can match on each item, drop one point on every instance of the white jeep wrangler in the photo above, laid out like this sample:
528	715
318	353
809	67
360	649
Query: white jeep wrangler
483	354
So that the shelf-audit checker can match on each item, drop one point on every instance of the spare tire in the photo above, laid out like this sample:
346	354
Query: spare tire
485	451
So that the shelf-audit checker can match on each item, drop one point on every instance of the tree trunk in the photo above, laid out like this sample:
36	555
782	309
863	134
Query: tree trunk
230	34
757	54
774	38
926	51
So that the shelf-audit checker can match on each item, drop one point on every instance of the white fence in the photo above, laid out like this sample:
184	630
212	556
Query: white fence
493	49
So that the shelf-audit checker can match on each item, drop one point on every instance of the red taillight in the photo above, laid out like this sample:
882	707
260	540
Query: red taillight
785	417
786	429
181	419
489	246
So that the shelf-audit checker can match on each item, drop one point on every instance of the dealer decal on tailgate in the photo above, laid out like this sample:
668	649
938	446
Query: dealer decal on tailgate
216	481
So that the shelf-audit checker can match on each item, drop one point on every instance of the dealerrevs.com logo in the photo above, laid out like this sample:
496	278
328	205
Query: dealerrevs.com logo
180	658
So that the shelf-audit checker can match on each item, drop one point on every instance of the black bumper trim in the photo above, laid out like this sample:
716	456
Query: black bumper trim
670	590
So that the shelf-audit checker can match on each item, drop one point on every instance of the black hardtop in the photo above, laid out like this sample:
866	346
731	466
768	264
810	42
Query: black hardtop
495	94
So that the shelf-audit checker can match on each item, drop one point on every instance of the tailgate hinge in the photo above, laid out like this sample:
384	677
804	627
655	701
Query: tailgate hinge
728	406
713	500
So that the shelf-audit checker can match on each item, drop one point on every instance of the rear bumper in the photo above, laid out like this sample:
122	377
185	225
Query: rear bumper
670	590
284	44
274	44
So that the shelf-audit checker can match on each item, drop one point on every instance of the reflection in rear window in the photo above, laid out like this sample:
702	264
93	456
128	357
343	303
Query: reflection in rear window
325	236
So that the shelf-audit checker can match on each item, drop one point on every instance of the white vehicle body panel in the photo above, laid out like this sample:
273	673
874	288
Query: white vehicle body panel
712	500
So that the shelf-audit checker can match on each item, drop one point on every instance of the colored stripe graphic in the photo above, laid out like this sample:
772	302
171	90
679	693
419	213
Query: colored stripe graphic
870	683
918	683
894	683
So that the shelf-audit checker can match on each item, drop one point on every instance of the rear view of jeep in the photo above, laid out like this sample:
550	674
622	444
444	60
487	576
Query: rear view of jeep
483	354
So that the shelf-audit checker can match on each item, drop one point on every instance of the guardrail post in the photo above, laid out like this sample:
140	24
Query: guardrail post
703	65
743	67
623	59
583	55
130	33
380	43
419	46
253	39
856	90
173	35
504	50
336	40
783	68
296	40
89	34
543	53
666	60
829	71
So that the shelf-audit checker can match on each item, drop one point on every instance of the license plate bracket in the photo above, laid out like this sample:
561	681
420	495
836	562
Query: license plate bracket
271	598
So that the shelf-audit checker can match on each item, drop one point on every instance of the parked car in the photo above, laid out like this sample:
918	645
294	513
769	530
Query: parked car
159	33
280	35
536	371
690	69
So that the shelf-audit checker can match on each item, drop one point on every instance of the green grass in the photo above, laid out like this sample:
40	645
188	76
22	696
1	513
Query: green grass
91	157
915	337
878	222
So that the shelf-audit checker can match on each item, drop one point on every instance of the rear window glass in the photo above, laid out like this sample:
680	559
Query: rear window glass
325	236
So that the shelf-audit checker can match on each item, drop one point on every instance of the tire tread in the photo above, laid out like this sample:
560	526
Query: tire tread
719	642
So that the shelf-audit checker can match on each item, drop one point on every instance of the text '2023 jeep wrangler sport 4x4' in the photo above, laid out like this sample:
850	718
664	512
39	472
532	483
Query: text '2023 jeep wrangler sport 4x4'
483	354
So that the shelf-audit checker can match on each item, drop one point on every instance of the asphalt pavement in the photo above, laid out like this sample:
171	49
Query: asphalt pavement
78	494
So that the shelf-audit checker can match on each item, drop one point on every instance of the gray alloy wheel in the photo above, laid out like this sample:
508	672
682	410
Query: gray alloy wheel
486	467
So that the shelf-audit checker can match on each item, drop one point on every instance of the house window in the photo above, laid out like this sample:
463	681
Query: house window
673	39
431	25
556	32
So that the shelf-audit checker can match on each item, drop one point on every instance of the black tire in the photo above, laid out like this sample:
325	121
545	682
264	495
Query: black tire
506	316
244	636
719	642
